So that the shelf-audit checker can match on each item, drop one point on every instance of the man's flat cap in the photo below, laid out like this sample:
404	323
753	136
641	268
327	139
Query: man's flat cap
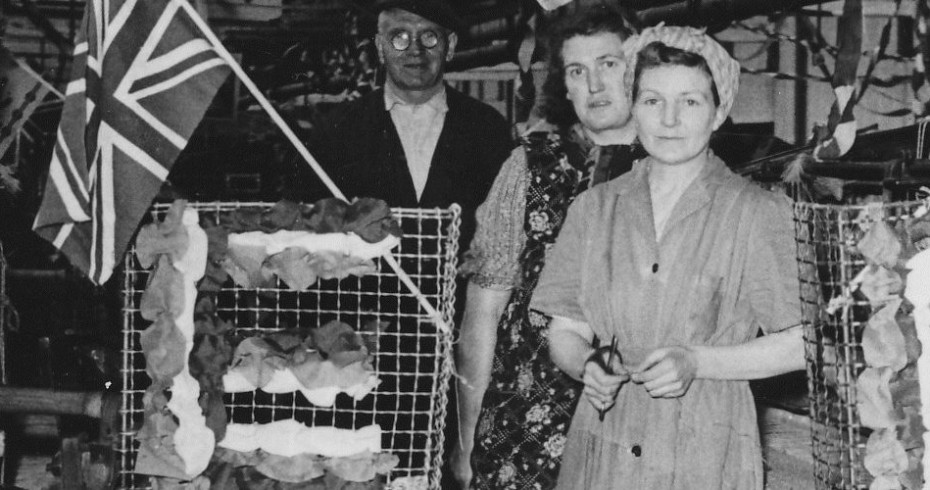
438	11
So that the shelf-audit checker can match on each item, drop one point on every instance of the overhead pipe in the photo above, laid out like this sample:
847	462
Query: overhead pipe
40	274
712	13
32	12
491	55
56	402
499	28
645	4
293	90
489	11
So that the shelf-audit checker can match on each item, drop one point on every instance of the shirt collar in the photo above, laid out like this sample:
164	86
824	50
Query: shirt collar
715	172
437	102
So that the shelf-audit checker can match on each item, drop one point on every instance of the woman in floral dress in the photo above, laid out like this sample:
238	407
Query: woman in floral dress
514	404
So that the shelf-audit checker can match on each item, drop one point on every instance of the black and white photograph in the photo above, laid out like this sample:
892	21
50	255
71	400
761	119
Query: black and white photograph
464	245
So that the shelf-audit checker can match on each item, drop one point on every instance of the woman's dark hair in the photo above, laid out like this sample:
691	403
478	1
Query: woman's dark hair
657	54
554	106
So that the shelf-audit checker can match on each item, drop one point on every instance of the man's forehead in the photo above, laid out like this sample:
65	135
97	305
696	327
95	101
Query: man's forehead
403	19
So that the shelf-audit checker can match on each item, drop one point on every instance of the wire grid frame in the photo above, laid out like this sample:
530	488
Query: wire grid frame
828	260
3	327
413	361
5	313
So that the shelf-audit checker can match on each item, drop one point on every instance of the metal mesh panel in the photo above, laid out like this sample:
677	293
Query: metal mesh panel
5	312
827	236
3	327
413	362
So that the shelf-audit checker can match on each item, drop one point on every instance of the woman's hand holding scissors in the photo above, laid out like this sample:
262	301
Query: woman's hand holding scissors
603	376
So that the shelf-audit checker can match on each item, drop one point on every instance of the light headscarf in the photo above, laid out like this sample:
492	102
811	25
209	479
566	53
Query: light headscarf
723	67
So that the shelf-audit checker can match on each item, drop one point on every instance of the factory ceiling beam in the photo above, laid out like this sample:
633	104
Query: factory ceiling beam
31	12
710	13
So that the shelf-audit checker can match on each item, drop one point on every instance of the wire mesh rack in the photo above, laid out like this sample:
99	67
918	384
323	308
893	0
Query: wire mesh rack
827	236
3	327
5	314
413	361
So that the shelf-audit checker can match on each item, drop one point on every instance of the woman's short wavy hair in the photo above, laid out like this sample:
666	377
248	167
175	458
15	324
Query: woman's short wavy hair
554	106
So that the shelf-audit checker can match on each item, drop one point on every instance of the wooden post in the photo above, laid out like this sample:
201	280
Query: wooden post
48	401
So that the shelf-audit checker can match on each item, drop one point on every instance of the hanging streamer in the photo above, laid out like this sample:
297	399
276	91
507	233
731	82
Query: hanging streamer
878	53
920	82
841	124
525	93
21	92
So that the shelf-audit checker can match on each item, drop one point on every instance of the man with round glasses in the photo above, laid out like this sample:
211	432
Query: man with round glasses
414	50
401	39
416	142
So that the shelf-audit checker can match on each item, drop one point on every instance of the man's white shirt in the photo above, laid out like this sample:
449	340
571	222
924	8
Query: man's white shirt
419	127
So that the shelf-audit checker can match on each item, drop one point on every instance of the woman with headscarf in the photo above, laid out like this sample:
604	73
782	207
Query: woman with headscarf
682	262
514	404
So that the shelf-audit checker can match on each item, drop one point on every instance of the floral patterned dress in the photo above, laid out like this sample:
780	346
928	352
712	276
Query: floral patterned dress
529	402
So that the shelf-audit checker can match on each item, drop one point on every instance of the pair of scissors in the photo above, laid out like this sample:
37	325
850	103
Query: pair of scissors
608	369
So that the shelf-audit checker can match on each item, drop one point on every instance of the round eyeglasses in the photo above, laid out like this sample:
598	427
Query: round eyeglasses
403	39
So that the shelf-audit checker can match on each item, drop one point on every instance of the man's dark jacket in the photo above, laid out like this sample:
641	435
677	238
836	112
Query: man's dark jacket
359	148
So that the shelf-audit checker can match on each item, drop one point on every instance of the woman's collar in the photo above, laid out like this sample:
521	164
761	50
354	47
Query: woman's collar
714	170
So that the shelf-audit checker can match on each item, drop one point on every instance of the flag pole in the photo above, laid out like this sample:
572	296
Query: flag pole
28	69
302	150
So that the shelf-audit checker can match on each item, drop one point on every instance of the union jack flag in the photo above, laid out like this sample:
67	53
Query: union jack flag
143	77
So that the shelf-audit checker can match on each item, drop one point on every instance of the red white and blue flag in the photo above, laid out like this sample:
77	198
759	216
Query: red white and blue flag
143	77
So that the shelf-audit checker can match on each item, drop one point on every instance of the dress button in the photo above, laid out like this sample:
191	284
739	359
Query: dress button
655	268
636	450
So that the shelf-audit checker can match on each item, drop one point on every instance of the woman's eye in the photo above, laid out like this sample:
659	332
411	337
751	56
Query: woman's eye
650	101
574	72
615	66
692	102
